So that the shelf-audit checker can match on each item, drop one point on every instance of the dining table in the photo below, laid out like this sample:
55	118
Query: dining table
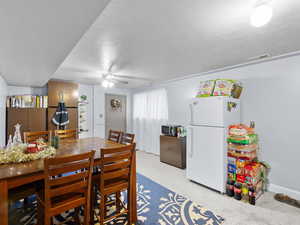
17	174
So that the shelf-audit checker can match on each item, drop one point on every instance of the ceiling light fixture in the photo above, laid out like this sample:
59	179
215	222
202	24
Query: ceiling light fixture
261	15
109	76
107	84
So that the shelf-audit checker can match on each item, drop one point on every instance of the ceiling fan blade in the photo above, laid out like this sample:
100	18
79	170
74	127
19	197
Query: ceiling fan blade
130	77
120	81
77	70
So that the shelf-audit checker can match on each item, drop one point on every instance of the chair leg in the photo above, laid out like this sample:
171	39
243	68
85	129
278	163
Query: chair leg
105	200
92	204
87	214
129	207
40	214
25	203
102	210
118	201
47	219
76	216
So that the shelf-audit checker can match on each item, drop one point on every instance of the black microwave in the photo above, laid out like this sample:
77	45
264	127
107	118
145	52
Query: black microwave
170	130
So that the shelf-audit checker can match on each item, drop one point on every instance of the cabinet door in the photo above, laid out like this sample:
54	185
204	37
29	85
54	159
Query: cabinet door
37	120
69	90
51	125
73	117
15	116
171	151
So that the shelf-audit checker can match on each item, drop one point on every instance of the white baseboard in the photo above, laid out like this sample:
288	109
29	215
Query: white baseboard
279	189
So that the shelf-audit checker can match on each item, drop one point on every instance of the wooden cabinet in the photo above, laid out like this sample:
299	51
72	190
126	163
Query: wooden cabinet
39	119
31	119
173	151
68	89
73	117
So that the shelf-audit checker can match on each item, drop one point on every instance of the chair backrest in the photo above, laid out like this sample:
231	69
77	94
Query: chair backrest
127	139
114	135
76	176
115	163
66	134
30	137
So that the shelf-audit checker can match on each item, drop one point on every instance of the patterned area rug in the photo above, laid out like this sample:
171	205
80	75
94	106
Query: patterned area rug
156	205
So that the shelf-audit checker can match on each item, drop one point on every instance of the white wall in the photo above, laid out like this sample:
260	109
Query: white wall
271	98
21	90
95	108
3	94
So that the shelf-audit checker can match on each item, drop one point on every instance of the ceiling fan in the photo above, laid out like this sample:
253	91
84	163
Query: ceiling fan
109	79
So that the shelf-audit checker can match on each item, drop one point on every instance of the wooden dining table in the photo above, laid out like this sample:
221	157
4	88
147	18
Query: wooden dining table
17	174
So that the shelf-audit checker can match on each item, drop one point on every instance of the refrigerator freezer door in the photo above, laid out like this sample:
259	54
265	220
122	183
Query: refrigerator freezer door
215	111
206	156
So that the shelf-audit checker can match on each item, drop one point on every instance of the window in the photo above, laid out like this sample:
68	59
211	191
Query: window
150	111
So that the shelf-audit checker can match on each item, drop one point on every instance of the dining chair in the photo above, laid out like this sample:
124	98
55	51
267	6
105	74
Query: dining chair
66	134
127	139
114	135
114	177
30	137
71	191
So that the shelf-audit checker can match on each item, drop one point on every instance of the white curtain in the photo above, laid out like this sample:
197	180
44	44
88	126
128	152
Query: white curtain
150	111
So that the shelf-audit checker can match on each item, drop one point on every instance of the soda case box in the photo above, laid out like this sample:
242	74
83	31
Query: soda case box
220	87
247	139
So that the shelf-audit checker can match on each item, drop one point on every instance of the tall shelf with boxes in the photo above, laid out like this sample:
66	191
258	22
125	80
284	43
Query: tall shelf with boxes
30	111
82	110
246	175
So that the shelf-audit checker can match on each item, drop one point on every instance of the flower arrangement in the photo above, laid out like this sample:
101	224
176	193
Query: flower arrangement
18	154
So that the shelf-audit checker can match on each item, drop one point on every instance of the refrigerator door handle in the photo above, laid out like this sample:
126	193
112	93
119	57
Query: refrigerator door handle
190	142
192	116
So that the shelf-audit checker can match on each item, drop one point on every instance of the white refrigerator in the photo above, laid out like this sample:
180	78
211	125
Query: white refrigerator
206	139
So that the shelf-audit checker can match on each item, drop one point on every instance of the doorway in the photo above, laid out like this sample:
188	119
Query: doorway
115	113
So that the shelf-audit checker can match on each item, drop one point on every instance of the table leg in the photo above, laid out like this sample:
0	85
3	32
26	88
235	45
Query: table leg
133	190
3	202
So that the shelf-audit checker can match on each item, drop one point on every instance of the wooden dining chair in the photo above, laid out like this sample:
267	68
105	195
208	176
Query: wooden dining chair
71	191
127	139
66	134
114	177
30	137
114	135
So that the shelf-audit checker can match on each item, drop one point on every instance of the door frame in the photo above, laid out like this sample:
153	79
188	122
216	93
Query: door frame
105	112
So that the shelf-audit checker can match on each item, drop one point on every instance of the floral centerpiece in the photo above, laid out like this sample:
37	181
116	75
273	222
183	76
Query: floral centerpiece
23	153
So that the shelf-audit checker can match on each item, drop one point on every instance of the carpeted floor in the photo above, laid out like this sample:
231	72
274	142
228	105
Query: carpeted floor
267	211
156	205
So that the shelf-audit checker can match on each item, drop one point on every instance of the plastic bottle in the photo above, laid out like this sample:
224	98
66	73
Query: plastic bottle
237	191
230	188
252	195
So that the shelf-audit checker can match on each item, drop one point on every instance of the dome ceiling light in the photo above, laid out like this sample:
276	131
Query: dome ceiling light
261	15
107	84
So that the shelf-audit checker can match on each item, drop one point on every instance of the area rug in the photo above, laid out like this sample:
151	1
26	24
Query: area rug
156	205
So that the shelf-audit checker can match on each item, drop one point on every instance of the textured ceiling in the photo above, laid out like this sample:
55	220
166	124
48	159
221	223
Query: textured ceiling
164	40
158	40
37	35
